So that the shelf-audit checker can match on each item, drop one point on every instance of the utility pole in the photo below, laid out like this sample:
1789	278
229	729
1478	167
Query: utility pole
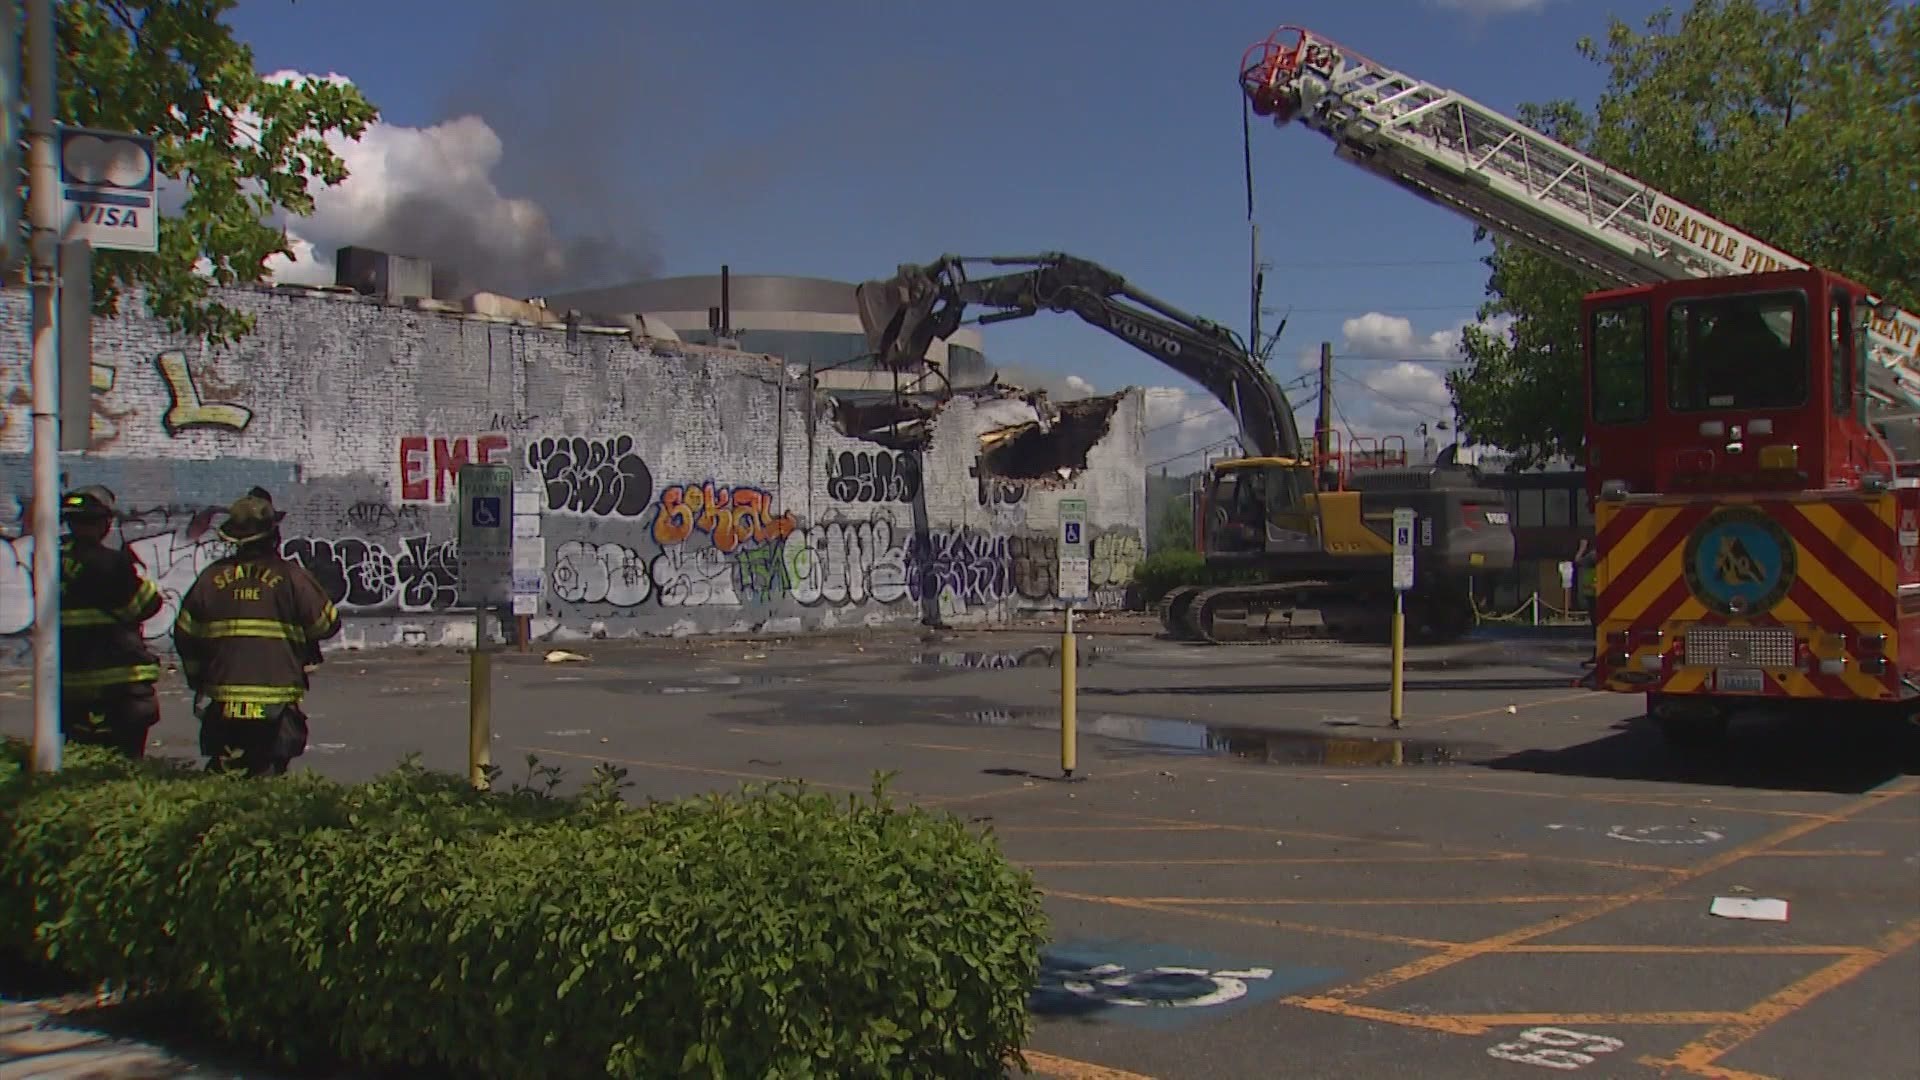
43	214
1323	426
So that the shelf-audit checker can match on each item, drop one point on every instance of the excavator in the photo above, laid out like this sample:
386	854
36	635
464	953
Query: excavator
1322	545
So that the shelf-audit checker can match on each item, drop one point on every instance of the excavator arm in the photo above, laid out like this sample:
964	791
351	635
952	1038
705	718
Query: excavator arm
903	315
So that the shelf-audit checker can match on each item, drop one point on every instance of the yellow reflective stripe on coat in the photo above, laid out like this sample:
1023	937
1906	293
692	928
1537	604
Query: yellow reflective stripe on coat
114	676
142	596
325	624
86	616
248	628
257	695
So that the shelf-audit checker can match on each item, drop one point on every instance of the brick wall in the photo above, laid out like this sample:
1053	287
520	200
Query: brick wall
682	490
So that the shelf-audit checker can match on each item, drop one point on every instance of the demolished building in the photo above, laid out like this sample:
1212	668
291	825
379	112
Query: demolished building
667	487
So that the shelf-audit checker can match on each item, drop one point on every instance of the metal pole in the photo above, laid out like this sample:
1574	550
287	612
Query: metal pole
1397	698
1069	722
479	703
43	213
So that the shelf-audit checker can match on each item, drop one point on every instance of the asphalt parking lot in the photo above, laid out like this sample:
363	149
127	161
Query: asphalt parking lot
1255	875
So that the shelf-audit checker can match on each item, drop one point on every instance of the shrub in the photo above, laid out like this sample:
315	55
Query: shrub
409	921
1163	571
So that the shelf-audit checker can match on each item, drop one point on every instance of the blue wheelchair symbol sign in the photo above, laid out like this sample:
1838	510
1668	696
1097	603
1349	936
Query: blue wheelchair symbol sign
1073	532
486	512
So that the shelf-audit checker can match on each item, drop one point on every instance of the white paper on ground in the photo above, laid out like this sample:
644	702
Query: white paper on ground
1748	907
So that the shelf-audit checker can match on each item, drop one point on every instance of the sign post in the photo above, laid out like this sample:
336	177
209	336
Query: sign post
485	540
1403	522
1076	563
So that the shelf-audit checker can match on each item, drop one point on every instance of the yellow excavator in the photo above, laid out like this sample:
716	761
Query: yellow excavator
1321	540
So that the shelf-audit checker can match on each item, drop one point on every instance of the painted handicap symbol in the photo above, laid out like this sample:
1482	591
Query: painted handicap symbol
1166	987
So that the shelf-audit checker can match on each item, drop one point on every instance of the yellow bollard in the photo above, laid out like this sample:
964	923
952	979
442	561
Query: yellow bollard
1397	696
1068	694
479	706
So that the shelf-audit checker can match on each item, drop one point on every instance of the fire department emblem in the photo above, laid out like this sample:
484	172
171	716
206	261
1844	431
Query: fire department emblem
1739	561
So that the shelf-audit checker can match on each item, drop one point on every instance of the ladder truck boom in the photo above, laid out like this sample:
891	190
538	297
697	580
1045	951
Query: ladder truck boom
1502	174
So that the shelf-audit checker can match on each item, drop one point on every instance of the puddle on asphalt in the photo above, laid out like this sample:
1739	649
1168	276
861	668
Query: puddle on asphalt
1038	656
1248	744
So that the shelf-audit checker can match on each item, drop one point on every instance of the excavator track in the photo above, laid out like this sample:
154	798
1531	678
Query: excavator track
1302	613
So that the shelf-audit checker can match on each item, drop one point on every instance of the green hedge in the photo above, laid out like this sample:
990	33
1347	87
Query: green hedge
409	921
1163	571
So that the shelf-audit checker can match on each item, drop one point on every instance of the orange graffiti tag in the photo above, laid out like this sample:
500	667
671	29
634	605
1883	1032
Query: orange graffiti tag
732	516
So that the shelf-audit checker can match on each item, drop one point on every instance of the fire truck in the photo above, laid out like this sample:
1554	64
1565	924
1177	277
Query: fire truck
1752	450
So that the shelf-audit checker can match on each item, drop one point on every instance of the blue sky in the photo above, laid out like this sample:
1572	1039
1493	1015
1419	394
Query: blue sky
839	139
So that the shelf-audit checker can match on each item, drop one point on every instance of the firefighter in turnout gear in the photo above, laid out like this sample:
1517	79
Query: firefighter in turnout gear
106	670
248	628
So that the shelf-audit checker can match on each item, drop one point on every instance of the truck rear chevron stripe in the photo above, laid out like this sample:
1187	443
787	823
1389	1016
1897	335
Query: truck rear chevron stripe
1628	566
1855	568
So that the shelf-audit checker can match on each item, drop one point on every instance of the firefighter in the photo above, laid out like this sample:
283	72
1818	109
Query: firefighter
246	631
106	670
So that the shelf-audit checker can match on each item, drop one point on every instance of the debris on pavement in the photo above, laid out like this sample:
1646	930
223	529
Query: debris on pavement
1761	909
562	656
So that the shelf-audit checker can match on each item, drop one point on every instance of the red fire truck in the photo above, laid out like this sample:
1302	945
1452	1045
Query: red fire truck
1753	454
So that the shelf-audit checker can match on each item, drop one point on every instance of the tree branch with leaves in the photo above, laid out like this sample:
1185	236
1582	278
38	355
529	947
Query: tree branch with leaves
245	149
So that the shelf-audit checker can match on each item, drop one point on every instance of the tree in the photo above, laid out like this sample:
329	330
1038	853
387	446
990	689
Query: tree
244	148
1172	530
1797	121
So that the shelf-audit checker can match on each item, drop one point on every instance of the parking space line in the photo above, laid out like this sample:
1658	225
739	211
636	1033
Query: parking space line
1501	709
1421	845
1249	920
1686	950
1475	788
1364	901
1339	1000
1281	860
948	748
1178	827
1489	1021
1699	1057
1039	1064
1814	853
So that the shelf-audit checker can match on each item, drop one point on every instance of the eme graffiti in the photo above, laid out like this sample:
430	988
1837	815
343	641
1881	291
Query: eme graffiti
430	465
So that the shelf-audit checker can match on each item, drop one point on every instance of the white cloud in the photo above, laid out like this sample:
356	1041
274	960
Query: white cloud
431	192
1391	377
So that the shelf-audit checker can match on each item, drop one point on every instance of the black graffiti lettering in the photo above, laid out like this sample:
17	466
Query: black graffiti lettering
355	573
1034	558
380	519
876	476
604	477
429	574
991	492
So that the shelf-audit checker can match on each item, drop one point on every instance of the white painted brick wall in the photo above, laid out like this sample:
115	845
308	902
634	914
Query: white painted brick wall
316	406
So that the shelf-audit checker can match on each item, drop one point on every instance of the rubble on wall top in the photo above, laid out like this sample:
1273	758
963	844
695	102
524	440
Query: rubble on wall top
498	310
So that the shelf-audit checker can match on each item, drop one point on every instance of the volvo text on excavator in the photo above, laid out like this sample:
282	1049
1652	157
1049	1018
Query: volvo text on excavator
1752	446
1325	552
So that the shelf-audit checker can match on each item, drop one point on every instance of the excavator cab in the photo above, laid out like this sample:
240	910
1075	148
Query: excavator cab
1260	506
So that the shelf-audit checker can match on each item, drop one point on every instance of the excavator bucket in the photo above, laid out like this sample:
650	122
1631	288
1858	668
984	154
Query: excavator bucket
893	313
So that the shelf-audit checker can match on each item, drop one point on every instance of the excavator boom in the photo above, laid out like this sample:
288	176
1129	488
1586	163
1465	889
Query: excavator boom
905	314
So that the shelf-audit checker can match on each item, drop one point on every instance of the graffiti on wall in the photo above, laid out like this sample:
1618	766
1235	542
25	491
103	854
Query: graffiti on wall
990	491
188	408
416	575
734	517
873	476
430	465
602	477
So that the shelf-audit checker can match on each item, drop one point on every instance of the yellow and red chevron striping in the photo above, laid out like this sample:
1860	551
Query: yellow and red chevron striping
1846	561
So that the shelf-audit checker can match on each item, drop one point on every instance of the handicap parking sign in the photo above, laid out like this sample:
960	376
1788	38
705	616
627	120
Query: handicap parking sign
1073	532
486	512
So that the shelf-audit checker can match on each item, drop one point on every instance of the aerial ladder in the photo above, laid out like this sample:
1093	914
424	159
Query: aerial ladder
1322	553
1757	535
1451	150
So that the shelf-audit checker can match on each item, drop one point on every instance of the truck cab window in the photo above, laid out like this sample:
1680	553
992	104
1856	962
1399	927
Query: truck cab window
1619	364
1738	352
